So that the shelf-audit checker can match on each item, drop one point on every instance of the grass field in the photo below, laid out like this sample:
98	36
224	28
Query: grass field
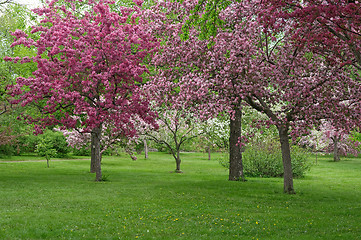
143	200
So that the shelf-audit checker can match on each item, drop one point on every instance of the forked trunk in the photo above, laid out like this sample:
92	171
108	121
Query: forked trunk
286	159
96	135
336	156
235	154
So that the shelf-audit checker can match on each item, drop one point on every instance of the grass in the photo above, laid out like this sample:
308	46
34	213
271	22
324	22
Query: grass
143	200
34	157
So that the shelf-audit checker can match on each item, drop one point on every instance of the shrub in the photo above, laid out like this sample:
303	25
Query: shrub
27	143
84	151
7	150
45	149
54	140
264	159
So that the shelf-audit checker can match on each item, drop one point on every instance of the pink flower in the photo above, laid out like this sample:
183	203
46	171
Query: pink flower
138	2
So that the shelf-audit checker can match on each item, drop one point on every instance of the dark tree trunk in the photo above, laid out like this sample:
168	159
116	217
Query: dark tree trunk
178	163
96	135
145	148
92	154
235	154
286	158
336	156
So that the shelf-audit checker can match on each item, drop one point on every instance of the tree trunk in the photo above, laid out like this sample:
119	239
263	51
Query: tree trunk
96	135
145	148
286	158
336	156
178	163
235	154
92	154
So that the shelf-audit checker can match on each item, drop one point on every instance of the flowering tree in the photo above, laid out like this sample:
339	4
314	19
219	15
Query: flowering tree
177	118
176	127
217	132
339	142
281	79
333	28
332	140
178	69
270	71
89	65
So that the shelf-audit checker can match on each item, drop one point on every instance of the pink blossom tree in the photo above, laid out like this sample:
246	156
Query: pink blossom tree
338	141
279	77
179	119
89	66
270	71
178	69
176	127
331	140
331	28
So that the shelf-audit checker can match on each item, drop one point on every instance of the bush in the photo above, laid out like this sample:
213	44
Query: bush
264	159
57	141
139	147
27	143
84	151
54	140
7	150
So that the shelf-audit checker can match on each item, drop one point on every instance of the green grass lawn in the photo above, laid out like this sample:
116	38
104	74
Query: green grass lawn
143	200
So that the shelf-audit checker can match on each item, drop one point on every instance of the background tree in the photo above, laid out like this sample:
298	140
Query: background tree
88	67
14	16
179	63
331	140
44	149
175	128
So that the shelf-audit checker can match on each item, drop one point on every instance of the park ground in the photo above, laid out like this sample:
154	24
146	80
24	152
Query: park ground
143	200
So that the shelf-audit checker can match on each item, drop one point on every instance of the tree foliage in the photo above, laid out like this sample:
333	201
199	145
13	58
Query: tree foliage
89	66
247	62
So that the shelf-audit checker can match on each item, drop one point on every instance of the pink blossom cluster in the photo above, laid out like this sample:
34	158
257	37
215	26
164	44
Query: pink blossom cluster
89	65
327	137
249	62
